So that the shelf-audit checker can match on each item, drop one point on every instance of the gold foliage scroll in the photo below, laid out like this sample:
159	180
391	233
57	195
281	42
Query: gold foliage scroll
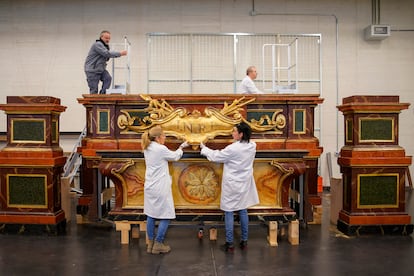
195	127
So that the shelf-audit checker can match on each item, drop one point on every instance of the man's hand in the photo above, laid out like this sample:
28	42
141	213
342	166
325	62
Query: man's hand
124	52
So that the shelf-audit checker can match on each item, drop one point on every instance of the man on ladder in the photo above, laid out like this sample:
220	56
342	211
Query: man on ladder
95	63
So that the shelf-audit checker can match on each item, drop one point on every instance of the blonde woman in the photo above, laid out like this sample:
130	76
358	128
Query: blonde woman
158	199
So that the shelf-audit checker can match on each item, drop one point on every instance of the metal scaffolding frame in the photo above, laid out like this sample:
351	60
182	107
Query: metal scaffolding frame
216	63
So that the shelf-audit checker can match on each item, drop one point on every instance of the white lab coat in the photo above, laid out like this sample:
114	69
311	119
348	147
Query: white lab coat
158	199
247	86
238	188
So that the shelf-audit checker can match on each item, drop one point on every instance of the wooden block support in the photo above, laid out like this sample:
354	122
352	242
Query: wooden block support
213	234
282	232
79	219
106	194
66	198
272	238
124	227
317	214
293	232
143	228
135	232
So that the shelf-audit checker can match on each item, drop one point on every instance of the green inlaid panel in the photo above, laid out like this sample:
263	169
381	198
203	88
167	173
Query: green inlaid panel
258	115
90	119
349	130
345	188
378	129
299	121
55	131
26	191
140	115
378	190
28	130
270	119
103	117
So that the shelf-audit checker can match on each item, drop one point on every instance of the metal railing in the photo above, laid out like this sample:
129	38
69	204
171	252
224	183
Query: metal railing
122	86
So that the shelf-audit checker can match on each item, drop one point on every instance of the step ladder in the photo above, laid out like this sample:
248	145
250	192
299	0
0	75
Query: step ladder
280	68
74	160
70	170
121	84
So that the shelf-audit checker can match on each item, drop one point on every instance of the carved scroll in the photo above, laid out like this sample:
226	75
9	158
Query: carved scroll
196	127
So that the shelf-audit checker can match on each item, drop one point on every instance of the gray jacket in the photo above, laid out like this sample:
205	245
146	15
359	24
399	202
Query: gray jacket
97	57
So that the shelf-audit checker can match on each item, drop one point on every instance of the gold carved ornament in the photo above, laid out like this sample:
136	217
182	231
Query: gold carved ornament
195	127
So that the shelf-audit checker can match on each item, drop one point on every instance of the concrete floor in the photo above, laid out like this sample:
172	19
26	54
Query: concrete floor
95	249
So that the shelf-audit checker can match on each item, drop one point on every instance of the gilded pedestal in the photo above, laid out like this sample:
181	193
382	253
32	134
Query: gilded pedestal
373	166
30	167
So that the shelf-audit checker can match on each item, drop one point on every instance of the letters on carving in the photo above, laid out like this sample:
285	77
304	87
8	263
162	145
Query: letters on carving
194	126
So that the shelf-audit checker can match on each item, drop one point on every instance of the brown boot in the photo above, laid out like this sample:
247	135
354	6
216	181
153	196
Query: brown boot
149	246
159	248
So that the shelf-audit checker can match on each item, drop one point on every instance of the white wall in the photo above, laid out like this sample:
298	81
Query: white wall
44	43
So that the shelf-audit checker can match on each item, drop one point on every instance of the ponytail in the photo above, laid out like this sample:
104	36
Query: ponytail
246	130
145	140
150	135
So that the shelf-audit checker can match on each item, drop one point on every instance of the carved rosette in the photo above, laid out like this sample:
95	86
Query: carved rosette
199	184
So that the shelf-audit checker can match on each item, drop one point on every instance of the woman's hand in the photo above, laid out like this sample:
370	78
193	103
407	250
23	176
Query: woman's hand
184	145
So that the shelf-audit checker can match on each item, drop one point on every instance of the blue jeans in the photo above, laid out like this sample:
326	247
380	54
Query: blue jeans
162	229
229	225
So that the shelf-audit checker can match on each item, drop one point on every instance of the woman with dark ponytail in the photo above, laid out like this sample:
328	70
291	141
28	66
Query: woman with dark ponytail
238	188
158	199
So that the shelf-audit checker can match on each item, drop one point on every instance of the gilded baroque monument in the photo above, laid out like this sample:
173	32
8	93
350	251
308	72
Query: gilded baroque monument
282	129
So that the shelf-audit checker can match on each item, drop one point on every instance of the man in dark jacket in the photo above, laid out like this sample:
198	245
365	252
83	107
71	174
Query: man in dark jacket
95	63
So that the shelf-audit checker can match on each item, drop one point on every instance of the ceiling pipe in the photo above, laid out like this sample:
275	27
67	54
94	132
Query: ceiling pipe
376	12
376	16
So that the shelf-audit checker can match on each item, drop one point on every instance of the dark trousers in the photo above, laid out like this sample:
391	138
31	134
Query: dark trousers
93	81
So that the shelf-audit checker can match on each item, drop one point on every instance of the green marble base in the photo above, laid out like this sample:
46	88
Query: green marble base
356	230
34	229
